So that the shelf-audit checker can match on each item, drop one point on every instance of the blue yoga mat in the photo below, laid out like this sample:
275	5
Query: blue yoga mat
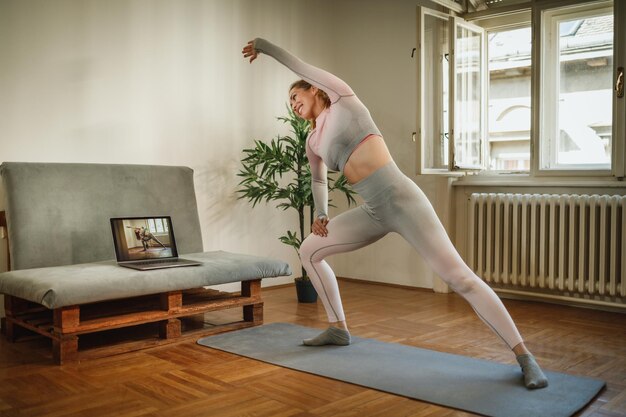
456	381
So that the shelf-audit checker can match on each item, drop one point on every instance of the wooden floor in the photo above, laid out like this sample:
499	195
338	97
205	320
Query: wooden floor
186	380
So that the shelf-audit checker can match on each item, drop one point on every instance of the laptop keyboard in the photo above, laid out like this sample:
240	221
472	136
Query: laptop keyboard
158	262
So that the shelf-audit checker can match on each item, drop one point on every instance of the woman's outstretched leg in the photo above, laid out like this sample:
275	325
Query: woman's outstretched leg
418	223
349	231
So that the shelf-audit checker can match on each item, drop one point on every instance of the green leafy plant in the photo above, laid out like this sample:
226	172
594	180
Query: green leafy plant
279	171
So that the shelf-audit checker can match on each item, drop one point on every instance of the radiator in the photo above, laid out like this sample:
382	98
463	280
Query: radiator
556	246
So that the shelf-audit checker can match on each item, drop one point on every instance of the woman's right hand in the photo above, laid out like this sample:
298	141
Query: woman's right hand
319	226
249	51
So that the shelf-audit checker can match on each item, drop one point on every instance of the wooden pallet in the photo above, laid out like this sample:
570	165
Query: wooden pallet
66	325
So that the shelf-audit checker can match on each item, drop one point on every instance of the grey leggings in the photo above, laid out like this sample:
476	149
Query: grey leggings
394	203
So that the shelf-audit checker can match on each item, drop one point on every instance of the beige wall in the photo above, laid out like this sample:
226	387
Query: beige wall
158	82
373	46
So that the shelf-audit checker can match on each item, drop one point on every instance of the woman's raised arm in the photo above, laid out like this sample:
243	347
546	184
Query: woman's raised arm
332	85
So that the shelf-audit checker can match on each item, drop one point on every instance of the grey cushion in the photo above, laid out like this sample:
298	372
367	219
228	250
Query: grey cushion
58	214
85	283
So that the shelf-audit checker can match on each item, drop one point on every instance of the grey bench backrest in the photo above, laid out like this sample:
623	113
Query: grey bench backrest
58	214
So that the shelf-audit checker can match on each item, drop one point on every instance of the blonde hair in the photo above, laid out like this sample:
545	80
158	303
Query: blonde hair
304	85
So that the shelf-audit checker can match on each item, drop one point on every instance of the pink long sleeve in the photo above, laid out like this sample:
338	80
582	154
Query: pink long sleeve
319	183
324	80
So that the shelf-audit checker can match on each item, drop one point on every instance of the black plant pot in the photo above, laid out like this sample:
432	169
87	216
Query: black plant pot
306	292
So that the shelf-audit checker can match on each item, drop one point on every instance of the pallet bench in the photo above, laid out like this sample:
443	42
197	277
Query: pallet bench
78	297
64	325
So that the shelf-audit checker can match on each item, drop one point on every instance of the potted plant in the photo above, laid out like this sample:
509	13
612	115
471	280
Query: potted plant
279	171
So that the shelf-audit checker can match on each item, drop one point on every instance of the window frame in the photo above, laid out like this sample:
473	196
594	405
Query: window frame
455	23
619	104
420	132
541	15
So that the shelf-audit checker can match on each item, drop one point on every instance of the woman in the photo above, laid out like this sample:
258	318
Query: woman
344	138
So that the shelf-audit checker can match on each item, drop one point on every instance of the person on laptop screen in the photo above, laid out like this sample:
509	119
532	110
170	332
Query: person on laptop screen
145	236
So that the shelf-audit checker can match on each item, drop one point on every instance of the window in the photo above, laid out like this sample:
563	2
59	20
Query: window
157	225
451	88
468	133
508	109
492	101
436	57
576	90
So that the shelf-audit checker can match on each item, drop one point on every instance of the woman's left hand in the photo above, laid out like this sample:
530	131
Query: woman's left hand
249	51
319	226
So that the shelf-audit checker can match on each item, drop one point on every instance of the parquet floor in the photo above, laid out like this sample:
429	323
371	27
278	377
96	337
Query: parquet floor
185	379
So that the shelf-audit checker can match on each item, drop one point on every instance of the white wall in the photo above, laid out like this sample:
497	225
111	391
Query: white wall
155	82
160	82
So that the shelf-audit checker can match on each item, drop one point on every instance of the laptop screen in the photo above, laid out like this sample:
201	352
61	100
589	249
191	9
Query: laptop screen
143	238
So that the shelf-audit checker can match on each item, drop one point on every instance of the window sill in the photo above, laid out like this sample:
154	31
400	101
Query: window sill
444	173
525	180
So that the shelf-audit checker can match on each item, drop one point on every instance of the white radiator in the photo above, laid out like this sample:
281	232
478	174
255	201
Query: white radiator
571	246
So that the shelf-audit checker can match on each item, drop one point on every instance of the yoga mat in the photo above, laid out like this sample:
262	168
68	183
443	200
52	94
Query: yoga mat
461	382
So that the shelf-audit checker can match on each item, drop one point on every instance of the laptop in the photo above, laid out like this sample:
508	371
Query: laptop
146	243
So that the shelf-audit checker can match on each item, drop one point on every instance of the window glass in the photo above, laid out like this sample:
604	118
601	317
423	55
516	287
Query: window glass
576	89
468	94
585	91
509	111
159	226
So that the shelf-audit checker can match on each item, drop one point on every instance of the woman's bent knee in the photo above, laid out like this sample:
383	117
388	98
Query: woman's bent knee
309	248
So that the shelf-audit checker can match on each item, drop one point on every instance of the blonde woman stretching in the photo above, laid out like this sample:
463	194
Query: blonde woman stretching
344	138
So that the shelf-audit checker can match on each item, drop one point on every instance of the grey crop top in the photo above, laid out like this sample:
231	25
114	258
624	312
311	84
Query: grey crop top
339	128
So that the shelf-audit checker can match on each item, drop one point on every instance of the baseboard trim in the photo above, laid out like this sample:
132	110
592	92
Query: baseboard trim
385	284
278	286
358	281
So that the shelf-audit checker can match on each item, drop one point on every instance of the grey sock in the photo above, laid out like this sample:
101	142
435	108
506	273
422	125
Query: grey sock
533	376
330	336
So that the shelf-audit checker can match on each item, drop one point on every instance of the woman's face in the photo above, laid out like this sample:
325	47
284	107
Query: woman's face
304	102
